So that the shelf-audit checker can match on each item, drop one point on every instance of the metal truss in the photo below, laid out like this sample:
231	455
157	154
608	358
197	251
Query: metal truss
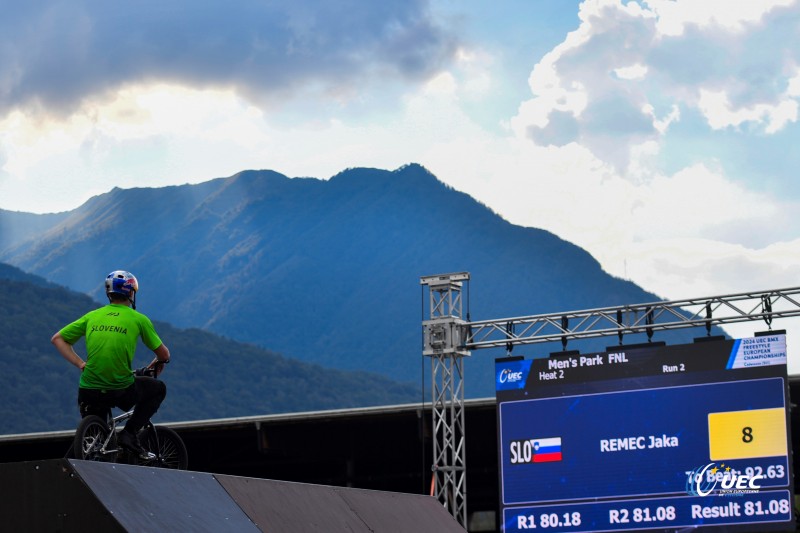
448	338
443	339
630	319
449	465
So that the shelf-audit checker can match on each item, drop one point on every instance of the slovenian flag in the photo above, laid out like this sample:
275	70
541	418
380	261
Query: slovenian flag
547	450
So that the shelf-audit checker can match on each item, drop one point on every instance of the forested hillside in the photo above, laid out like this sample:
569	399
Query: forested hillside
209	377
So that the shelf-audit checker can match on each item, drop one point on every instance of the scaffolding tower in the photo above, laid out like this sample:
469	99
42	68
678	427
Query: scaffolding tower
444	344
448	338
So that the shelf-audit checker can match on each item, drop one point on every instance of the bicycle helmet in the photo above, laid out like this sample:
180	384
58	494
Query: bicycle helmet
123	283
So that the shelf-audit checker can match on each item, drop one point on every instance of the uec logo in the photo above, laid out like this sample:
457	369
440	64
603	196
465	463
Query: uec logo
703	480
507	376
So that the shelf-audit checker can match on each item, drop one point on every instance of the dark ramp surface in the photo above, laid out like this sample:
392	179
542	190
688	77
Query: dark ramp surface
48	496
154	499
297	507
69	495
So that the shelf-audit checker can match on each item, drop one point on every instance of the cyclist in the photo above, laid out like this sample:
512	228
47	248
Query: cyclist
106	379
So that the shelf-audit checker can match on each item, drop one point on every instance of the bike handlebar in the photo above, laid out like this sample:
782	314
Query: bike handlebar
150	370
145	371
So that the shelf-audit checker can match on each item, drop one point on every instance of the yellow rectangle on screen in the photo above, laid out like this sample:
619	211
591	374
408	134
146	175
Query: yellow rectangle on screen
747	434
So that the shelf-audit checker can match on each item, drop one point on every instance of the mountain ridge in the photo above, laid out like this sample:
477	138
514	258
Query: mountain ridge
326	271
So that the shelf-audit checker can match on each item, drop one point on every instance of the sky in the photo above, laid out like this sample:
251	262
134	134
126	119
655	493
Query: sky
659	135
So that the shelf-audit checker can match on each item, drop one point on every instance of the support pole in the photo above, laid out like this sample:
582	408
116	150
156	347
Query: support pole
444	334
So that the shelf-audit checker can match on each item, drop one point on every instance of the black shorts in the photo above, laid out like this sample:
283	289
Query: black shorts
145	390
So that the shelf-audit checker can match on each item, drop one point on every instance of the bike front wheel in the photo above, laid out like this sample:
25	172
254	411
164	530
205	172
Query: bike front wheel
167	445
94	441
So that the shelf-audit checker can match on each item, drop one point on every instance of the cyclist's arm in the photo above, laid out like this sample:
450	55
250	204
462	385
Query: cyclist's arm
162	356
67	351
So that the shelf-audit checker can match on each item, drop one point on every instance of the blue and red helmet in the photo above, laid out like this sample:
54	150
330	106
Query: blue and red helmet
122	283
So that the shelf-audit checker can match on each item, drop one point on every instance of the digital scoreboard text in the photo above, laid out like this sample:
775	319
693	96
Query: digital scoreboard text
654	437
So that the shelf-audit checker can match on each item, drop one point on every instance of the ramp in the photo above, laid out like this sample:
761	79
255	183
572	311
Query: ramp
153	499
283	506
48	496
69	495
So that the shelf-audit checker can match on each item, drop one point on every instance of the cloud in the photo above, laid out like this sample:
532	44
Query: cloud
717	108
54	54
674	16
596	158
625	74
670	267
149	135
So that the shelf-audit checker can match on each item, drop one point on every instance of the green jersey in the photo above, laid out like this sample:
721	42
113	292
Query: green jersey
111	335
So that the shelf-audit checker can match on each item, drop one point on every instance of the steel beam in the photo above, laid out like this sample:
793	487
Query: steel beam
629	319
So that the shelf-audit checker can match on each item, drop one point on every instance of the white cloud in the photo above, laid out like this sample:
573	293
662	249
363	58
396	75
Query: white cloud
675	15
140	136
474	67
622	78
662	124
793	87
444	83
632	72
695	200
719	112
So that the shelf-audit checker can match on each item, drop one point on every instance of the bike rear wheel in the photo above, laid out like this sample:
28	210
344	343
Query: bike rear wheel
167	445
90	437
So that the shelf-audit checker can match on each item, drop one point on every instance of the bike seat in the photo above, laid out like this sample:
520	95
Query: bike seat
98	410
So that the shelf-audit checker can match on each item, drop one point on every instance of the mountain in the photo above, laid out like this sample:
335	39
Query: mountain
209	376
17	227
8	272
325	271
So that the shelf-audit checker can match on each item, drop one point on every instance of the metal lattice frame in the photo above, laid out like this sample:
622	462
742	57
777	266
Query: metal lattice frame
448	339
443	337
449	465
630	319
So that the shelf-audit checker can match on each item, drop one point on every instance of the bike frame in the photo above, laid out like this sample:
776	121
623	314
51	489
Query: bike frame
114	423
113	426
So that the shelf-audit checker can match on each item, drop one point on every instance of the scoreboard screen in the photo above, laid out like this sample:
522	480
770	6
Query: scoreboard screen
647	437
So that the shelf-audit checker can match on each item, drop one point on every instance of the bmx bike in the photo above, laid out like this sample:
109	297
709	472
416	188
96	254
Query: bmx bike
96	440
